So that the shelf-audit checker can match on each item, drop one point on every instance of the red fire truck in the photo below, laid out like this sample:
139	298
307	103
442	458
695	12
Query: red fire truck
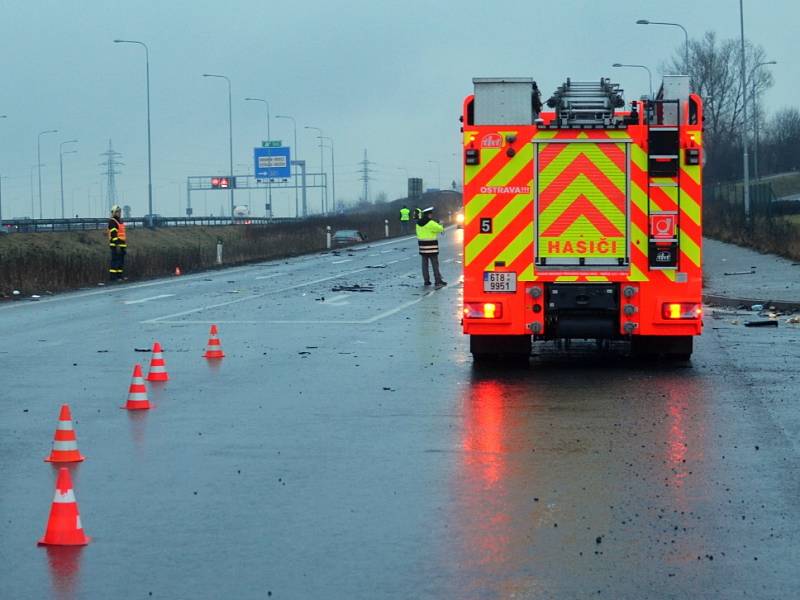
582	221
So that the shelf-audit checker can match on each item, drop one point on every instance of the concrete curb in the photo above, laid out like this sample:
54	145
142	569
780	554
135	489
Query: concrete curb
781	305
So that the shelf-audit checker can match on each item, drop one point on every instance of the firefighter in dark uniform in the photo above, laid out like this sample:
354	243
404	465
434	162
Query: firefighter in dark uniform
118	244
428	231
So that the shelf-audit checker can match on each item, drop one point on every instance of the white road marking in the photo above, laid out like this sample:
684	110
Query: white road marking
269	276
386	251
369	321
169	319
148	299
397	309
127	287
374	254
339	262
253	297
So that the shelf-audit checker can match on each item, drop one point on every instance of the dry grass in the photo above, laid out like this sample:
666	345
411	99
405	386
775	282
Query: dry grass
41	262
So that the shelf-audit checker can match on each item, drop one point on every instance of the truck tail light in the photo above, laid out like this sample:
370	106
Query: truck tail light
483	310
681	310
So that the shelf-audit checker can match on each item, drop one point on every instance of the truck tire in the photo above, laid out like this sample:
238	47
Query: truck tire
676	347
503	349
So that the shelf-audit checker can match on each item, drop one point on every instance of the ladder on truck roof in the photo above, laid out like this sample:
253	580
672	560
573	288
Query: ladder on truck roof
587	105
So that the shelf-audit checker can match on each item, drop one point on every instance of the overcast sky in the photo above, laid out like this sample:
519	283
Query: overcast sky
388	77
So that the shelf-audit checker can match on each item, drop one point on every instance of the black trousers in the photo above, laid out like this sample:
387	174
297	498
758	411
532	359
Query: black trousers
117	266
433	259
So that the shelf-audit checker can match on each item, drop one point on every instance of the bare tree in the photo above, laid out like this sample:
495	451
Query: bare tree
715	72
781	146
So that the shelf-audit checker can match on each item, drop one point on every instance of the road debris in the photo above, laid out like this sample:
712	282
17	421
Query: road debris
769	323
141	349
353	288
740	273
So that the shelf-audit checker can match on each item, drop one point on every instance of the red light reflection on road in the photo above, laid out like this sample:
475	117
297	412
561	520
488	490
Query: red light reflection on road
483	514
483	434
65	565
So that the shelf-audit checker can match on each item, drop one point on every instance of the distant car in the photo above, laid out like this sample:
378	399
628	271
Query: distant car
346	237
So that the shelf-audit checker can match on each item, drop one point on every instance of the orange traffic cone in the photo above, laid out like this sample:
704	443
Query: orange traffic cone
177	271
65	444
64	525
158	371
137	392
214	348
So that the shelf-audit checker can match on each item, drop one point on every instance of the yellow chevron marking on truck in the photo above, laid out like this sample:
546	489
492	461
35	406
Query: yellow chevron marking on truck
510	212
690	248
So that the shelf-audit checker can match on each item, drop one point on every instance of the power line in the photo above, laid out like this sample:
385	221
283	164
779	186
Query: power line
111	163
365	178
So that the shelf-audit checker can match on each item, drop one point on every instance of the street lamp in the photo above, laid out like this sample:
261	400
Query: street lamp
61	154
745	158
333	169
685	35
1	196
39	163
755	115
230	133
149	152
296	157
1	183
269	139
321	168
438	172
649	74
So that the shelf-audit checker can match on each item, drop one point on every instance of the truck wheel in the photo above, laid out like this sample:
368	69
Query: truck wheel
504	349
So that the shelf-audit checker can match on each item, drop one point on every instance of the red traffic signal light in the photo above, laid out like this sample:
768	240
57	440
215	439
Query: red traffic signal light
221	183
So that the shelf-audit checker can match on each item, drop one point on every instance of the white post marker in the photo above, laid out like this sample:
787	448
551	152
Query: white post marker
386	226
219	252
328	236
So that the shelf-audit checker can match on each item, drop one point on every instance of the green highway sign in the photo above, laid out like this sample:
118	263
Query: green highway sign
271	143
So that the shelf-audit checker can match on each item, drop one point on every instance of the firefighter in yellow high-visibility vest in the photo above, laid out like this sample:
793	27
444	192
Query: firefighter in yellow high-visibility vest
405	218
117	241
428	231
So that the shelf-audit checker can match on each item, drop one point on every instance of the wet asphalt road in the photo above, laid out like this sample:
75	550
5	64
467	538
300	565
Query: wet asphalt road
346	448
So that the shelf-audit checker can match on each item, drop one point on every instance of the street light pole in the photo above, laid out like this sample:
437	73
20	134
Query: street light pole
745	157
39	164
1	183
333	170
755	114
649	74
685	36
321	169
269	138
297	157
230	134
61	154
149	150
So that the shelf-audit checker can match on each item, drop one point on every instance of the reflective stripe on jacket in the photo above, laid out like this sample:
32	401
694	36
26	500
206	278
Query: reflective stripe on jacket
427	234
